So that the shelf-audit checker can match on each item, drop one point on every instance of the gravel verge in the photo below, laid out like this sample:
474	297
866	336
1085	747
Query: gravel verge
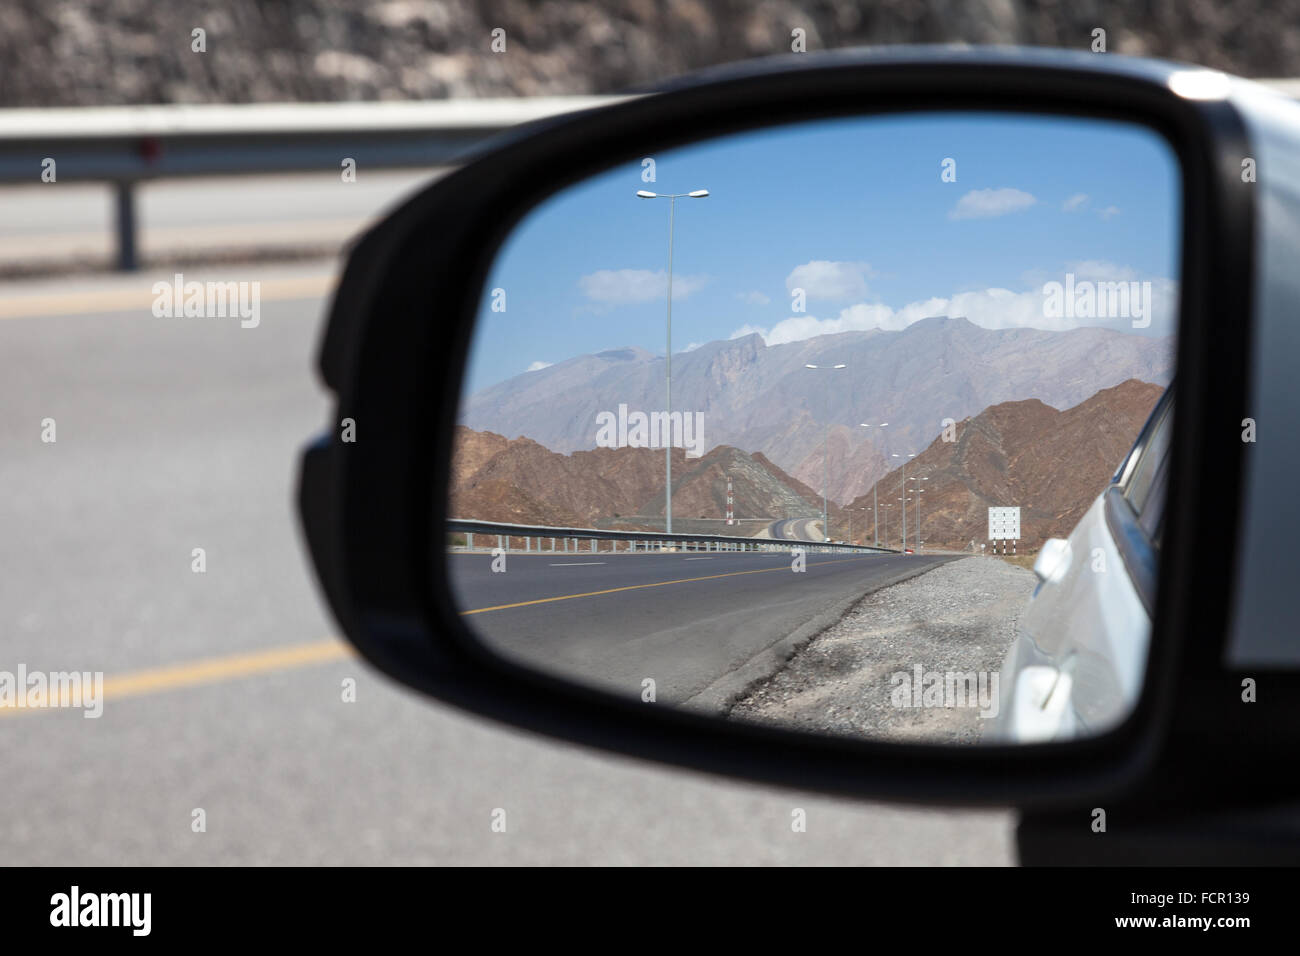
959	617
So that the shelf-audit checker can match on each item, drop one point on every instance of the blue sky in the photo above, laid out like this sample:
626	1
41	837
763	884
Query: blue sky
853	211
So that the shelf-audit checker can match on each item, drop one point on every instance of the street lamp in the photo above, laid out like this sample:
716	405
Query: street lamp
668	355
875	511
887	507
826	527
918	492
903	488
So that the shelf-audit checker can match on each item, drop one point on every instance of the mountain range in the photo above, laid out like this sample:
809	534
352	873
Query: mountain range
1051	464
764	399
521	482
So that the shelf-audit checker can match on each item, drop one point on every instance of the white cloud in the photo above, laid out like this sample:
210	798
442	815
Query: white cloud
753	298
538	366
1074	202
1109	212
991	308
836	281
630	286
987	203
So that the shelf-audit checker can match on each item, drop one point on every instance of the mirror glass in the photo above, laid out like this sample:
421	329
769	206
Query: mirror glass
907	378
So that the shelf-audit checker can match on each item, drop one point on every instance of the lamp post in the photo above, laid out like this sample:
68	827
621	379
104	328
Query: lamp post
918	491
826	528
887	507
668	354
875	511
903	488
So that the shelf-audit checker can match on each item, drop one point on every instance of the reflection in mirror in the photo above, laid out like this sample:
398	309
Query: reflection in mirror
908	380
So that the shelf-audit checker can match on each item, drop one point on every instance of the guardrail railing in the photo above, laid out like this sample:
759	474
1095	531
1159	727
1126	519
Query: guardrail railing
124	145
560	539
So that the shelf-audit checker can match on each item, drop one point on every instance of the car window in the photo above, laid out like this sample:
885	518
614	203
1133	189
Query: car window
1143	490
1153	512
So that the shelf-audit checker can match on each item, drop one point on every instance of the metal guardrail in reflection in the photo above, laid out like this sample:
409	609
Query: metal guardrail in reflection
534	535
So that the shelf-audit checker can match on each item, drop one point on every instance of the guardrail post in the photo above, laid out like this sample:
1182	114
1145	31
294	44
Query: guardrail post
126	248
528	543
500	545
469	540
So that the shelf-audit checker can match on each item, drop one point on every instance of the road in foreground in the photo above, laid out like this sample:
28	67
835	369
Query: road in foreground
685	620
175	434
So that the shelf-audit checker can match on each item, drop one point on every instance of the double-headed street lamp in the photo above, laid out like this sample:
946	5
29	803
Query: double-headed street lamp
918	491
875	511
826	527
903	488
668	355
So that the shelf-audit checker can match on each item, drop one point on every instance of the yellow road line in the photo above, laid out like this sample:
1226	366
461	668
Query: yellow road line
637	587
214	669
141	297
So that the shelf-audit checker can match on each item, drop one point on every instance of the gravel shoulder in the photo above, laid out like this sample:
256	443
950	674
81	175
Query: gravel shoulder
957	618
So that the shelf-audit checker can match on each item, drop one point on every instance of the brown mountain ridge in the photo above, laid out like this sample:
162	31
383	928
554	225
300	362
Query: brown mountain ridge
1050	463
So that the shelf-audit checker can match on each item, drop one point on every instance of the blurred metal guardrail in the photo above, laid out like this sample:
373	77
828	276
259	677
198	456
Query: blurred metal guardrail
638	540
125	145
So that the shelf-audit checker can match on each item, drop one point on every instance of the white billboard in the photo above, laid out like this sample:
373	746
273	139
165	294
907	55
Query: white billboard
1004	524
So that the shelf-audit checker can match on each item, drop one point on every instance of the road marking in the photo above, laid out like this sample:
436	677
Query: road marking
211	670
575	564
637	587
214	669
141	297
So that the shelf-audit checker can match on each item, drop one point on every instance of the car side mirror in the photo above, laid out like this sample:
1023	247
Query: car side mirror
1053	560
400	350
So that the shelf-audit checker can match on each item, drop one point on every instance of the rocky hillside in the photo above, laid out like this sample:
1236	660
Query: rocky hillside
517	480
1050	463
108	52
761	398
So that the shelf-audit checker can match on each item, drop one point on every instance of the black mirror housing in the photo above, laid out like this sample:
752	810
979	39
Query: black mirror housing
401	323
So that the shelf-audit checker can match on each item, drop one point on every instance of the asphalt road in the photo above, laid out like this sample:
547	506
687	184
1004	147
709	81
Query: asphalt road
684	620
225	688
796	529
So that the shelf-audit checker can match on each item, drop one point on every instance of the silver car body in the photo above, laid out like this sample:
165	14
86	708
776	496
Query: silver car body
1077	664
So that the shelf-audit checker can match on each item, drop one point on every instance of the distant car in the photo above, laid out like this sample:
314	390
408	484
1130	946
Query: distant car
1077	664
